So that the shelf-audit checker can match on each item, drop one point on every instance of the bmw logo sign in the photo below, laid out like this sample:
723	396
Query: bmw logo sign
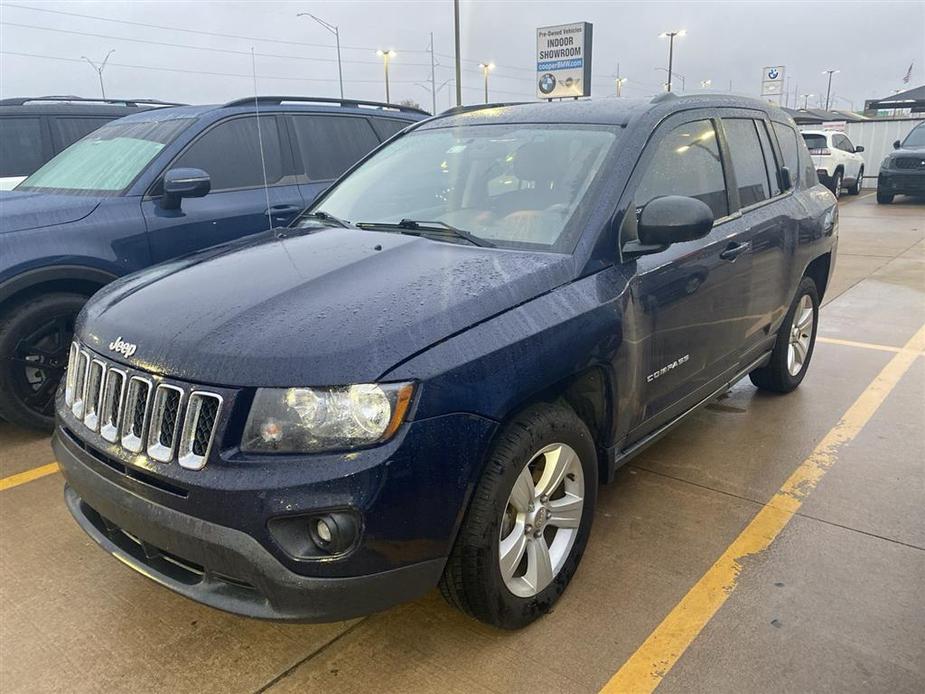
547	83
773	73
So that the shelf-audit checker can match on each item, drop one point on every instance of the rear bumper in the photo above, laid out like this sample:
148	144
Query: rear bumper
901	182
221	566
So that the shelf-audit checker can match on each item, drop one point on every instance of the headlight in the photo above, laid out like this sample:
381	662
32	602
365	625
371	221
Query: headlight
310	420
885	164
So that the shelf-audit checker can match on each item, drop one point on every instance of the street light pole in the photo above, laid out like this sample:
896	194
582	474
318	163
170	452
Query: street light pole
99	69
386	57
485	68
670	36
805	98
828	91
620	82
433	74
334	30
458	62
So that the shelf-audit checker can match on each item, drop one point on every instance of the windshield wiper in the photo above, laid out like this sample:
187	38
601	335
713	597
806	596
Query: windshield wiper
328	219
433	228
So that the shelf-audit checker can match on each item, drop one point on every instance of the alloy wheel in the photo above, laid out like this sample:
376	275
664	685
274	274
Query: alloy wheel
541	520
801	332
38	362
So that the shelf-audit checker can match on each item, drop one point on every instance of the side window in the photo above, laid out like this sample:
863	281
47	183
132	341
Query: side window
847	143
747	160
386	127
230	154
20	146
331	144
787	139
687	162
770	161
66	131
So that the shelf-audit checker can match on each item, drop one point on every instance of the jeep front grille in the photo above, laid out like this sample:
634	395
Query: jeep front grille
164	420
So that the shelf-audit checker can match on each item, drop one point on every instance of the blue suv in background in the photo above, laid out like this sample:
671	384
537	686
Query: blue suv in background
150	187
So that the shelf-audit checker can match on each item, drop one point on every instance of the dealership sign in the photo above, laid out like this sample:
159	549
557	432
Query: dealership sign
772	83
563	61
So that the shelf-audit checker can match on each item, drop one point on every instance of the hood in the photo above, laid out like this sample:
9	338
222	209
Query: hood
910	149
331	307
20	210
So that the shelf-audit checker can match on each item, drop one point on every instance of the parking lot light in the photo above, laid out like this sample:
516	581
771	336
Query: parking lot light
99	69
670	35
334	30
806	98
828	91
386	58
486	68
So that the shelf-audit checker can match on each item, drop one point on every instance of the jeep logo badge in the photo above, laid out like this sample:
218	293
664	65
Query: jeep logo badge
126	349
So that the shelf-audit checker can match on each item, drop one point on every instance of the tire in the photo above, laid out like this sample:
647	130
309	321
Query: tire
779	376
472	580
836	184
37	330
884	198
855	188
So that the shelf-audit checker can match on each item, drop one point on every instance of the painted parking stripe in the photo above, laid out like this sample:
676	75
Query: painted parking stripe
865	345
27	476
652	661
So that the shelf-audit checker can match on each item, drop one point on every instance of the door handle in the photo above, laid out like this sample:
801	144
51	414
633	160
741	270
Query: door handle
734	250
283	210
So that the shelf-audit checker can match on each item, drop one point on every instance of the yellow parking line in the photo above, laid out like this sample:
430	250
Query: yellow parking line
646	668
27	476
865	345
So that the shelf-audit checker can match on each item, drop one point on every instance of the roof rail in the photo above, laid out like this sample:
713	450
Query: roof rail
478	107
20	101
664	96
354	103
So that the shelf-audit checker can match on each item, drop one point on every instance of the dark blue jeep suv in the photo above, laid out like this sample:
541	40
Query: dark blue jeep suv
425	378
154	186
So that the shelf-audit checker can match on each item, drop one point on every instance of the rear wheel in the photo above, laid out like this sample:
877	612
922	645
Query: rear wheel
836	184
529	520
855	188
795	342
884	198
35	337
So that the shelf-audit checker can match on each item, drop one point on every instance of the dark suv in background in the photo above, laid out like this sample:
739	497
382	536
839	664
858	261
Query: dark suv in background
150	187
34	129
902	172
444	356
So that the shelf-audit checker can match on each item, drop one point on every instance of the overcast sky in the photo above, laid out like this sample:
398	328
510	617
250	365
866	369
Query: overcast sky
199	52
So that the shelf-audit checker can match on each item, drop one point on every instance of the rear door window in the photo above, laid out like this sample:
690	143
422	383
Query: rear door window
66	131
329	145
386	127
20	146
787	140
747	160
687	162
230	154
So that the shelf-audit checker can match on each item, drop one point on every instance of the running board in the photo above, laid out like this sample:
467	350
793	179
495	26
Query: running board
618	458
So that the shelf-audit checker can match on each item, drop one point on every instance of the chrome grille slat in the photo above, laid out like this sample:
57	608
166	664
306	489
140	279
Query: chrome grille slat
94	392
142	414
111	407
199	425
165	419
135	414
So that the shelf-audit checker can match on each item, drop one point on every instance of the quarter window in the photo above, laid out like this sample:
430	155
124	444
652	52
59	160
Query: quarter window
331	144
386	127
787	139
687	162
769	158
20	146
747	160
230	154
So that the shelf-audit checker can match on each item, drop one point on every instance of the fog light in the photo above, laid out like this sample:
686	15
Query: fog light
323	531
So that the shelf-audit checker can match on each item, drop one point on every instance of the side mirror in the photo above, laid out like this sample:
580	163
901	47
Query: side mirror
786	182
859	148
897	144
184	183
672	219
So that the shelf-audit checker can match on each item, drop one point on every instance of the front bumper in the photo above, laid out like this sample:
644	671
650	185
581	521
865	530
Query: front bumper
899	182
231	561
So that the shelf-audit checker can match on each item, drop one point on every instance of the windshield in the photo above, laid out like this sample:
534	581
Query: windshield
916	138
510	185
815	141
106	161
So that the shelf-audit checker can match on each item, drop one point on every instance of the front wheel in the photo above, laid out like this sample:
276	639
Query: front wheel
884	198
528	522
855	187
793	348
